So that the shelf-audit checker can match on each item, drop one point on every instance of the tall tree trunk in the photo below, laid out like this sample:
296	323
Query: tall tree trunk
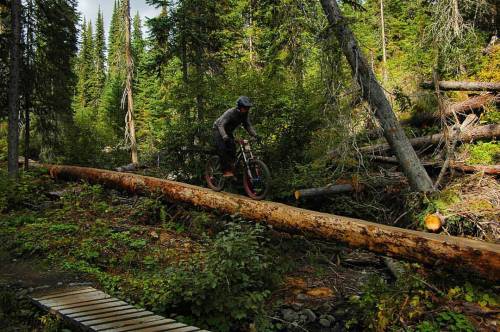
29	73
128	86
384	55
13	144
374	95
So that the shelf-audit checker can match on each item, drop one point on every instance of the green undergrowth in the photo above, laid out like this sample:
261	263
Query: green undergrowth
418	301
216	272
482	153
212	272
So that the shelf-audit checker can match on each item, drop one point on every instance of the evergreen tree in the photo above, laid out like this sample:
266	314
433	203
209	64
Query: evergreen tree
99	61
86	67
138	42
116	42
56	47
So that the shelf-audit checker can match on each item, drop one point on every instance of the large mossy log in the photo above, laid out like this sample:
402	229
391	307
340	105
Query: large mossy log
462	86
433	249
479	132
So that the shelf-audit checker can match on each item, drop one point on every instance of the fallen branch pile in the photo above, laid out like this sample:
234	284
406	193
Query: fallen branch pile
462	86
433	249
475	133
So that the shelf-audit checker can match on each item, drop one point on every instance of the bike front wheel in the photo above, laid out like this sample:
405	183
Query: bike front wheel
214	174
257	180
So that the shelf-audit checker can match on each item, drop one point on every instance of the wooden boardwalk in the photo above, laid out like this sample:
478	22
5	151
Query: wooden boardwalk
93	310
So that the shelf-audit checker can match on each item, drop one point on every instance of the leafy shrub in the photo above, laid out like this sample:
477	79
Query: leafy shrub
224	287
27	189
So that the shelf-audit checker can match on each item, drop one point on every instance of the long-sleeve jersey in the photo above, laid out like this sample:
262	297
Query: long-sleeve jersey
230	120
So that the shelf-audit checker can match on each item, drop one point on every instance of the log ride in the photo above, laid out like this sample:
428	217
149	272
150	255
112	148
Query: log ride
475	133
462	86
328	190
432	249
459	166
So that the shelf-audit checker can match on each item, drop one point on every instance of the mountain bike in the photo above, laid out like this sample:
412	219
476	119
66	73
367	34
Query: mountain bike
256	175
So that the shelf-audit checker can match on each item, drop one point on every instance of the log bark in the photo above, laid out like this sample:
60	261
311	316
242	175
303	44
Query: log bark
433	249
472	104
462	86
129	122
459	166
480	132
329	190
374	94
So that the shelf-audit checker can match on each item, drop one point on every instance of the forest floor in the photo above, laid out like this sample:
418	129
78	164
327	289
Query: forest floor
214	271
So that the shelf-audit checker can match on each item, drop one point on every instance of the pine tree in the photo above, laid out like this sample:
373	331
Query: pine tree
86	67
116	41
99	61
138	42
56	47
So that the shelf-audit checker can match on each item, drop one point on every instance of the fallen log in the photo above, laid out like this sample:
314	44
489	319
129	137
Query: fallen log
462	86
480	132
472	104
486	169
433	249
328	190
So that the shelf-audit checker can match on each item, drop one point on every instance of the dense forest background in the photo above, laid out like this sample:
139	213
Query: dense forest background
220	271
200	56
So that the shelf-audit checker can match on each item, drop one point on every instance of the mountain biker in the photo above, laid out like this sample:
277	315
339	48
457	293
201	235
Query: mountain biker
223	129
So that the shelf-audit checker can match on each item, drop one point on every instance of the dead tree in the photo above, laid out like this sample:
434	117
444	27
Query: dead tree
374	95
472	104
447	251
463	86
480	132
328	190
13	131
129	120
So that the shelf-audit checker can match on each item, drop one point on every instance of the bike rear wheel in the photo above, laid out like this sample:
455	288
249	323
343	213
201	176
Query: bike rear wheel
257	180
214	174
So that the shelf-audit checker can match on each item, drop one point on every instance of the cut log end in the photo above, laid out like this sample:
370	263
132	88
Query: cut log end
434	222
297	194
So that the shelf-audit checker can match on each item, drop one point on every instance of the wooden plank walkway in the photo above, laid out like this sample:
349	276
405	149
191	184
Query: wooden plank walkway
93	310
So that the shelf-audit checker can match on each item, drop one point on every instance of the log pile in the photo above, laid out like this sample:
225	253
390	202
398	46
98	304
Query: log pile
475	133
433	249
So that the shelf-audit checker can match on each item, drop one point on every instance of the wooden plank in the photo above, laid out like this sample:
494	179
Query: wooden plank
84	304
141	326
118	318
101	315
93	307
61	294
185	329
101	327
93	310
102	311
75	299
167	327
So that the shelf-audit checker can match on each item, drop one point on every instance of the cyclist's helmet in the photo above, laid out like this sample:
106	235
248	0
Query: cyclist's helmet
243	101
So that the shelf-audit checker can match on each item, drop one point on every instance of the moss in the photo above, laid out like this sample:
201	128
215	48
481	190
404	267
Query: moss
483	153
445	199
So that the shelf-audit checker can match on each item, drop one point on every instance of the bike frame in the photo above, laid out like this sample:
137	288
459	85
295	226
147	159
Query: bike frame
244	154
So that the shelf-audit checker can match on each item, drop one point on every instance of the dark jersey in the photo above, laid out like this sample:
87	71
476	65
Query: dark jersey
230	120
